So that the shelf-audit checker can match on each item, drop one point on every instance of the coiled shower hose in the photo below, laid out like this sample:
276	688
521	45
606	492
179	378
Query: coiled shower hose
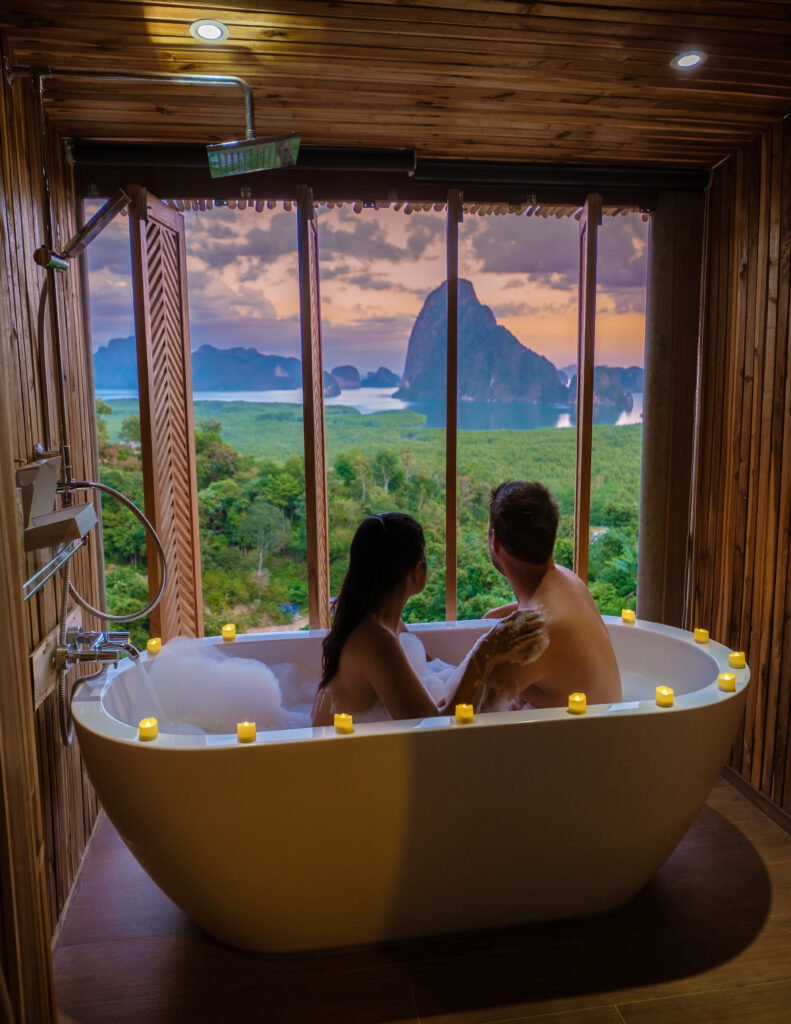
65	692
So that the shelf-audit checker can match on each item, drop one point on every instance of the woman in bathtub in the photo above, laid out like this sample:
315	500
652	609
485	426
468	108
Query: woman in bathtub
365	672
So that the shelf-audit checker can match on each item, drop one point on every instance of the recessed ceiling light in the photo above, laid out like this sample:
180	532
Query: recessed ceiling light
688	60
209	31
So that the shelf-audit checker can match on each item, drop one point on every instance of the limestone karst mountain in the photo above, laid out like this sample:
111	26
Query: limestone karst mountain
493	364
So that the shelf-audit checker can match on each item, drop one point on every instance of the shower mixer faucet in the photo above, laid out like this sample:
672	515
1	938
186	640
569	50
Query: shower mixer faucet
100	645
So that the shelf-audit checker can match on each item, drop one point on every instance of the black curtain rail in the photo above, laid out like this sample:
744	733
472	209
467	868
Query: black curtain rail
456	173
310	158
534	176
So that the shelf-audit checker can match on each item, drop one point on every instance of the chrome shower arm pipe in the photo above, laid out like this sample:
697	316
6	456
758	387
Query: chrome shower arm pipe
147	76
94	227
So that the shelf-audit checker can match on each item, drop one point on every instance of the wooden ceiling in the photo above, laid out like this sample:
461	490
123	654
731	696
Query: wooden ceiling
560	82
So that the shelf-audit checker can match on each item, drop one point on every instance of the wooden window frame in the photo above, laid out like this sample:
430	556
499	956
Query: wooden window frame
316	517
586	333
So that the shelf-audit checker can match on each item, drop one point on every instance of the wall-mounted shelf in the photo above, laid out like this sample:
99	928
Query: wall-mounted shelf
37	581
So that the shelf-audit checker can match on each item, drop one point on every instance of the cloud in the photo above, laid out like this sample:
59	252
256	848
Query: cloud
258	245
421	232
366	241
562	304
371	282
379	283
538	246
622	249
502	309
330	272
110	250
547	250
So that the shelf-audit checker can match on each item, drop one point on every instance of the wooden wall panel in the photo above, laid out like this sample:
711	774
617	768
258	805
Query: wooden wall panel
69	806
741	566
25	964
672	326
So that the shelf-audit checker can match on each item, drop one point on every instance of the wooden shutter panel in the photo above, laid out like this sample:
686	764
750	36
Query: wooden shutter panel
589	227
316	522
167	430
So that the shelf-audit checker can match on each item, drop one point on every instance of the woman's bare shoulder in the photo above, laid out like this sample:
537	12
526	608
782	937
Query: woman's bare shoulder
370	636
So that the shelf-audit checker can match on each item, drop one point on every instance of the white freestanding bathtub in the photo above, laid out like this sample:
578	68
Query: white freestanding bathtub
306	838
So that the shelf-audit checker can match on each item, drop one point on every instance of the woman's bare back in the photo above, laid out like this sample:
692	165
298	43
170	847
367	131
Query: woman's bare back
374	675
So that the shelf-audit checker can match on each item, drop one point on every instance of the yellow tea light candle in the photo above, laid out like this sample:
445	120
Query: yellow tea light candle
464	714
229	631
627	614
245	732
664	696
344	724
154	645
701	636
578	703
148	729
727	682
736	659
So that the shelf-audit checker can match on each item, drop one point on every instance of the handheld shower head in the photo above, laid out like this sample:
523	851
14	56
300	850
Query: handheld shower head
228	158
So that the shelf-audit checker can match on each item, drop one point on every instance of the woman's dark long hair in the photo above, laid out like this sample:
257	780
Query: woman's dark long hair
383	552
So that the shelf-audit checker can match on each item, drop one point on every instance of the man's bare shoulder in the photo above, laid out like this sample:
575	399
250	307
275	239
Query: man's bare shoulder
563	595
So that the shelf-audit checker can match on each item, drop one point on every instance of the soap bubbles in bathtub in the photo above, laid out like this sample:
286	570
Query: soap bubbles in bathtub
202	690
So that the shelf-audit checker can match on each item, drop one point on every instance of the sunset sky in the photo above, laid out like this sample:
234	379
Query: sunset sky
377	268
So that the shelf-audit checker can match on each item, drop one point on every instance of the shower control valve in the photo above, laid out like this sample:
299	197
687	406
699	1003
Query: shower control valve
92	645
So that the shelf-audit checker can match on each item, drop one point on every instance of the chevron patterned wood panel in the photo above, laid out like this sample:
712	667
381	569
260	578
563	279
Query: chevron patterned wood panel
166	415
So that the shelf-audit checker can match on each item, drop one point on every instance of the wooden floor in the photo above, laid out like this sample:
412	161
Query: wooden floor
709	940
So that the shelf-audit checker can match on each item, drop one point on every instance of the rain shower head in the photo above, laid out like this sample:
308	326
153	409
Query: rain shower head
228	158
225	158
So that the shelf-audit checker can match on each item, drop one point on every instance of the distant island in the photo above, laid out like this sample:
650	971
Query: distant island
494	366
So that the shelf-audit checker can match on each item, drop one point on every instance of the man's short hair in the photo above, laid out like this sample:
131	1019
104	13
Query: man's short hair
525	517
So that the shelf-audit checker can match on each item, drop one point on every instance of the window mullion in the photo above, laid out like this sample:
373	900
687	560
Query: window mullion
316	523
451	399
589	225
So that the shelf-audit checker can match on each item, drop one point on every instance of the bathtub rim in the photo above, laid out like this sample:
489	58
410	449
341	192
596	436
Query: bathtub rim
90	714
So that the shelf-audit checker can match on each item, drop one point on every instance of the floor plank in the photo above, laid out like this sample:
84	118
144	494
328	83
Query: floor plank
758	1004
714	926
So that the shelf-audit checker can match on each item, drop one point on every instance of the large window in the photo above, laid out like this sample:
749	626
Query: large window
247	391
382	279
517	352
118	419
616	448
384	351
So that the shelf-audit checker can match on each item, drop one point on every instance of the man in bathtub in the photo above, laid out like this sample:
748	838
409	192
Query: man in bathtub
551	641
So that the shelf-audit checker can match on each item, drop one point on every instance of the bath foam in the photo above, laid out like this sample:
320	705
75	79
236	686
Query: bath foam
204	691
437	676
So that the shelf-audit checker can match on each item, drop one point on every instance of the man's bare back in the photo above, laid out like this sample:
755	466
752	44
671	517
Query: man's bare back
578	657
553	645
552	641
